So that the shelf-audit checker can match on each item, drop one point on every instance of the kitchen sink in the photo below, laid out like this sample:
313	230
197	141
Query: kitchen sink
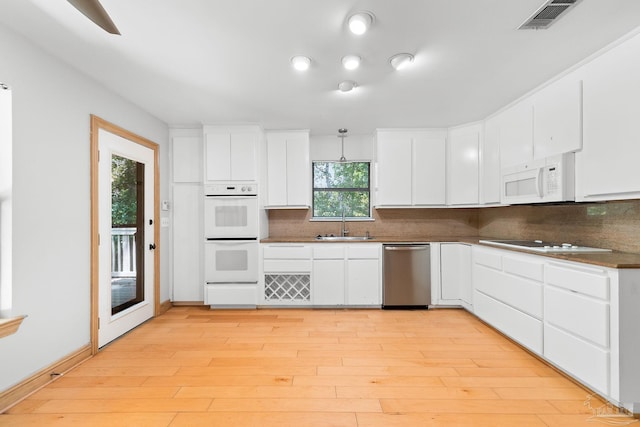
343	238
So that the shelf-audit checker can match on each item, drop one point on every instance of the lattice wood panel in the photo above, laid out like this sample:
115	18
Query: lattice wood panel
287	287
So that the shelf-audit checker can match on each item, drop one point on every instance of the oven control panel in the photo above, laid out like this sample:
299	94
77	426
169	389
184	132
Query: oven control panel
232	189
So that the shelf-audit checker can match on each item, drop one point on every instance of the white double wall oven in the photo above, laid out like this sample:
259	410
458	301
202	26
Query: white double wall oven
230	242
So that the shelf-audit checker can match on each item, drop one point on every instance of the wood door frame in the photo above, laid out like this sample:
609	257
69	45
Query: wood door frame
96	124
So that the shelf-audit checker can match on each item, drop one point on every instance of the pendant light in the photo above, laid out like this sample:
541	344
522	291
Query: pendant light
342	134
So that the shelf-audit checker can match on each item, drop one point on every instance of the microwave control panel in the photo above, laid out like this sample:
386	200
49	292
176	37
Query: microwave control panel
552	179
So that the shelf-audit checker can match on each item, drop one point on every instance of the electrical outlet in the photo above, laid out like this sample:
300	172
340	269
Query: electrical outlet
164	221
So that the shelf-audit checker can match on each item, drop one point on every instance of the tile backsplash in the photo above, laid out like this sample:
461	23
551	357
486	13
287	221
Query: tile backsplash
613	225
418	223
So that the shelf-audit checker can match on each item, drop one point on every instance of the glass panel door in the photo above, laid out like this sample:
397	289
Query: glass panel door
127	233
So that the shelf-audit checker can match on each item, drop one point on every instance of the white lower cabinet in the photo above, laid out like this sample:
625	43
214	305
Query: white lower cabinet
322	274
581	318
577	323
286	275
508	294
328	274
363	275
455	275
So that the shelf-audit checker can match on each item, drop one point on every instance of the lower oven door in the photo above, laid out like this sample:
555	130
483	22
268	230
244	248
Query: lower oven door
231	261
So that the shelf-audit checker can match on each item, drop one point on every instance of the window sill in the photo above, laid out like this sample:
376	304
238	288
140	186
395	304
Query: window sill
10	325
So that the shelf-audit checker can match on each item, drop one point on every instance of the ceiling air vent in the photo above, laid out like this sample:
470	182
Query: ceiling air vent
547	14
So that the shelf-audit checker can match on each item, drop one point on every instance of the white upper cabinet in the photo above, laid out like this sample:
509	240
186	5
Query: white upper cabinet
187	158
288	169
516	134
490	163
410	167
557	117
231	153
463	165
607	167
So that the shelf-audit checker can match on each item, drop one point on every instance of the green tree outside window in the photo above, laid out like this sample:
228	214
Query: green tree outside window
341	185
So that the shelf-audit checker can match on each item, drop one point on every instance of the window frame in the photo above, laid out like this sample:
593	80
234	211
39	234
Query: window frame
367	189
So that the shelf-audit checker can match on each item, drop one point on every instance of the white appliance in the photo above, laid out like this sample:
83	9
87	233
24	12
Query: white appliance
231	261
551	179
231	211
231	245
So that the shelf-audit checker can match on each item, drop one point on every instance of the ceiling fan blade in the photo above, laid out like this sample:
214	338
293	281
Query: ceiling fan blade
93	10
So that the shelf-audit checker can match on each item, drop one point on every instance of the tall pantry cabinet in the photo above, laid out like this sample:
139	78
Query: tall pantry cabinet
186	236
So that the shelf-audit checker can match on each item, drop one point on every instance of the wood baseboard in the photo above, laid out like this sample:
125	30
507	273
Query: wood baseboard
188	303
165	306
15	394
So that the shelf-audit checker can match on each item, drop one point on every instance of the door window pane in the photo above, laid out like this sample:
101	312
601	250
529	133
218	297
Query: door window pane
127	233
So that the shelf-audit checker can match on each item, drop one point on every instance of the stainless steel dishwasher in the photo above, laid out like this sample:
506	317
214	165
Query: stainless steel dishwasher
407	275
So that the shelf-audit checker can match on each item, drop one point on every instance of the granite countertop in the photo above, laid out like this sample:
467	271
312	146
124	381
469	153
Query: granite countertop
612	259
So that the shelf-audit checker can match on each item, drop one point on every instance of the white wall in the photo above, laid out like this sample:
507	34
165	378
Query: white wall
51	201
5	199
328	147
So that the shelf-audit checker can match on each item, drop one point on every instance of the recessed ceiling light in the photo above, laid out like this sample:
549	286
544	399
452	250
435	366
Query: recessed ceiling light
401	60
351	62
347	86
360	22
301	63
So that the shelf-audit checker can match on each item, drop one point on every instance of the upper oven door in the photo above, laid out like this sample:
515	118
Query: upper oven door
230	217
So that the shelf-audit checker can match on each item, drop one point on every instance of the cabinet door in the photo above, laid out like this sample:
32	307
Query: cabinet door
186	159
455	270
328	282
363	282
243	156
462	182
608	164
298	171
393	156
516	134
557	118
217	155
187	243
276	170
490	164
429	170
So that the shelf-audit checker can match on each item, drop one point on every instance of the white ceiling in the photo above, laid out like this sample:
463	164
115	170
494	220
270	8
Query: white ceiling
227	61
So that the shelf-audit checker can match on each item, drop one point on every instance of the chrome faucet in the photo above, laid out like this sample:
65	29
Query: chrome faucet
343	229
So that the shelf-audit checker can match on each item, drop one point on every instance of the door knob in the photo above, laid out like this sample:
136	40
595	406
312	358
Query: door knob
152	246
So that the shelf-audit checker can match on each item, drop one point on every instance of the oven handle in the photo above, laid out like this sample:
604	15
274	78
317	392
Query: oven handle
222	196
231	239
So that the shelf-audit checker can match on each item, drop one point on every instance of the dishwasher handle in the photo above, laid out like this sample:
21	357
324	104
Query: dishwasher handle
406	248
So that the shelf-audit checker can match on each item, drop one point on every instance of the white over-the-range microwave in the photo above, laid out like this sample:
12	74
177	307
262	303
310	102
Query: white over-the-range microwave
551	179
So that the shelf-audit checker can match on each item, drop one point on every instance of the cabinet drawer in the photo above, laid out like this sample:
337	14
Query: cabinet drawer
487	258
594	282
328	251
233	295
519	326
580	315
525	268
522	294
586	362
287	266
287	252
362	251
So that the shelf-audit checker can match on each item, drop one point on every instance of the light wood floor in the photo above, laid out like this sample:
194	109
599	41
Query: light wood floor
197	367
